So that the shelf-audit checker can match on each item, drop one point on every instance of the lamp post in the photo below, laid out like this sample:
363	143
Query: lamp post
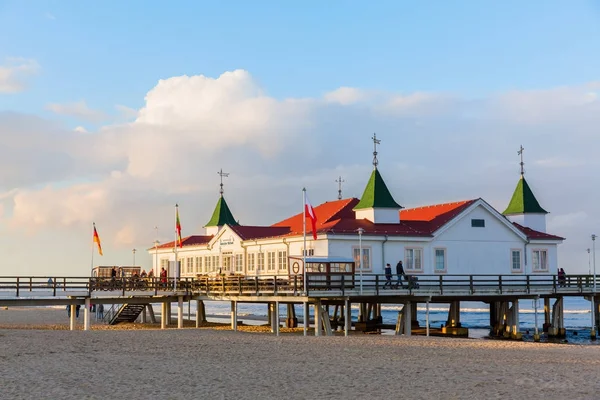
133	251
589	262
360	258
594	258
593	333
156	243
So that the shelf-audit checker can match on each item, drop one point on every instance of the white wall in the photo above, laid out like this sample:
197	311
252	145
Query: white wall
534	221
474	250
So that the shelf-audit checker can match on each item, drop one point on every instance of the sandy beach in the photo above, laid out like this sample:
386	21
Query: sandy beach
221	364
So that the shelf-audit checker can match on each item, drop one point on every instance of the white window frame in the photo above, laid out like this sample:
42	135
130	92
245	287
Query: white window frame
367	262
408	259
251	262
190	265
283	261
435	264
513	270
260	262
271	260
164	263
539	268
308	252
239	263
199	264
215	263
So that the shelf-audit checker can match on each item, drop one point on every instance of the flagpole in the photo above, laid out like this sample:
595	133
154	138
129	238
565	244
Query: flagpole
176	243
304	236
93	231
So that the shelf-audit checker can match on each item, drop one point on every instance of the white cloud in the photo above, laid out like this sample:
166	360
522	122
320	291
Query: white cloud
14	74
79	110
345	96
126	113
127	177
80	129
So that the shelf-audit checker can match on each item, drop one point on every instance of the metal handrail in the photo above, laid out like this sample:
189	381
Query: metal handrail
294	284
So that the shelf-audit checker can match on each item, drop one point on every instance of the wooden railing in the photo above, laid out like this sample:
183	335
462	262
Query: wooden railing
368	284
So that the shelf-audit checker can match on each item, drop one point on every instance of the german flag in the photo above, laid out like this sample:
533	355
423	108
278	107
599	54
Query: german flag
97	240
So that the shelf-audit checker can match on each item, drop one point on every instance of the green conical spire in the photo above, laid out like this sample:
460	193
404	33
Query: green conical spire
376	194
523	201
222	215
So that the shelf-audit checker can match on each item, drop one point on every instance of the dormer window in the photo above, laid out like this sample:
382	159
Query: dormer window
478	223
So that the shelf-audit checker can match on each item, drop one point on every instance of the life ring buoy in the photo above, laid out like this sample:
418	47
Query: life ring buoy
296	268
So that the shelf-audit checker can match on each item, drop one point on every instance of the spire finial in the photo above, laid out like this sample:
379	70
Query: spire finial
339	182
375	143
223	175
520	152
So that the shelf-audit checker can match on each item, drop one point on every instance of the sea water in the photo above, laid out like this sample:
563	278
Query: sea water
473	315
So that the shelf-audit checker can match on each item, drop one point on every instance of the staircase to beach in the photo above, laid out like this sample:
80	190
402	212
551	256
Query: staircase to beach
127	313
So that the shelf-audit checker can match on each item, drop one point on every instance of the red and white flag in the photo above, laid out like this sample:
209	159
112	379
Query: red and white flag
310	213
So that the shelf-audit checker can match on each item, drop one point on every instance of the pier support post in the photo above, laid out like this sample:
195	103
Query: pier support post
198	316
318	324
546	314
414	316
151	313
427	318
536	334
202	310
86	315
276	317
515	334
347	315
163	315
180	312
407	318
144	315
270	315
72	318
234	315
594	323
291	320
305	321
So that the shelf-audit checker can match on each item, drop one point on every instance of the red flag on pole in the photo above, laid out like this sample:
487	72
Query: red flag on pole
310	213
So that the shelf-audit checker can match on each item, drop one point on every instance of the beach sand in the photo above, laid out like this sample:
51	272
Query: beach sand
213	364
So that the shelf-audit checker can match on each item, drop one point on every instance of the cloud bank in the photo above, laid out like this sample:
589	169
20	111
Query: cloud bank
436	147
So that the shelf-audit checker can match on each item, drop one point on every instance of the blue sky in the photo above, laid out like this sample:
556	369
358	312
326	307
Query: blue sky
89	132
115	51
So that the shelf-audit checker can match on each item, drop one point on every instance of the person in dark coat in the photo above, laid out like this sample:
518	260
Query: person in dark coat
399	273
388	276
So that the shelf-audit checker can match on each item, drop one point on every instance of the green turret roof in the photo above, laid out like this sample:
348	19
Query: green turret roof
523	201
222	215
376	194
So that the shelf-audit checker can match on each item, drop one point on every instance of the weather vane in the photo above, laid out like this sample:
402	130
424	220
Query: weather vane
375	143
223	175
339	182
520	152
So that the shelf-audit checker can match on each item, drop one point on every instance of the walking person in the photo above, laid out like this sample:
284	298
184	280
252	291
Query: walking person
100	312
399	273
388	276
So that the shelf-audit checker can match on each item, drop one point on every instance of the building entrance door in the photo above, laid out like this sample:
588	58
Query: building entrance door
227	264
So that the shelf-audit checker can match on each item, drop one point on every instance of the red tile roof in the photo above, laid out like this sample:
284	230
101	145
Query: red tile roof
193	240
338	217
533	234
436	215
259	232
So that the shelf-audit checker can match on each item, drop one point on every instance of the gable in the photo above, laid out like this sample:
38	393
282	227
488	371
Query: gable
226	237
478	223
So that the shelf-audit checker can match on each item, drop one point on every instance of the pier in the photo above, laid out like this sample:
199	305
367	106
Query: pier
132	297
